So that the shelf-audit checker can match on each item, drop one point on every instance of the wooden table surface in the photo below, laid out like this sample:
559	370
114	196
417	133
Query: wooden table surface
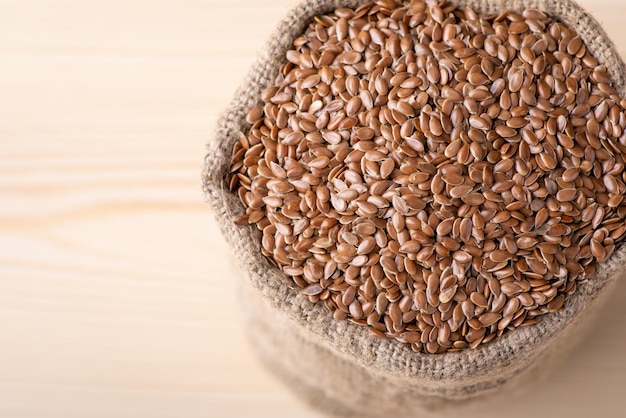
116	298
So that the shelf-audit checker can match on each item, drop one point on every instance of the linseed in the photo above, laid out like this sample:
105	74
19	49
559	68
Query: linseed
436	175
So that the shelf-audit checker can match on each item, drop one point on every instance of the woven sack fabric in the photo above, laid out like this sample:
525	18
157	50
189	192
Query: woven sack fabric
340	367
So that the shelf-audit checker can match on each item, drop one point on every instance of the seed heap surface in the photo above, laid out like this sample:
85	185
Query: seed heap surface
437	175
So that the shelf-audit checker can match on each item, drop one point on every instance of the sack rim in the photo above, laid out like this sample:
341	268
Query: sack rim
352	341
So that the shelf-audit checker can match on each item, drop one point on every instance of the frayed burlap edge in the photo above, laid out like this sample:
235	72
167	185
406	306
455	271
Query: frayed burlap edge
451	375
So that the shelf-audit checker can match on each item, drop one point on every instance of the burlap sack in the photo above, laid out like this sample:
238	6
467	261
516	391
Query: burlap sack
340	367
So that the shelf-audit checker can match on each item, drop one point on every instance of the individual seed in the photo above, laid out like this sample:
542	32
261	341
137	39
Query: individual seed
356	311
571	174
319	162
312	290
446	295
611	184
353	106
462	257
539	65
510	288
511	307
341	28
597	249
311	81
474	199
574	45
566	195
499	256
556	303
488	319
410	247
478	122
547	161
505	131
460	191
478	299
516	79
527	55
518	27
254	114
365	133
449	93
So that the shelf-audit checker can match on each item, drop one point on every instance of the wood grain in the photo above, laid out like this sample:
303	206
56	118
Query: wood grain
115	291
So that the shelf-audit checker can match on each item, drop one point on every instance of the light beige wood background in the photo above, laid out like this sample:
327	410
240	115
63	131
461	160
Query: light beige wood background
116	298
